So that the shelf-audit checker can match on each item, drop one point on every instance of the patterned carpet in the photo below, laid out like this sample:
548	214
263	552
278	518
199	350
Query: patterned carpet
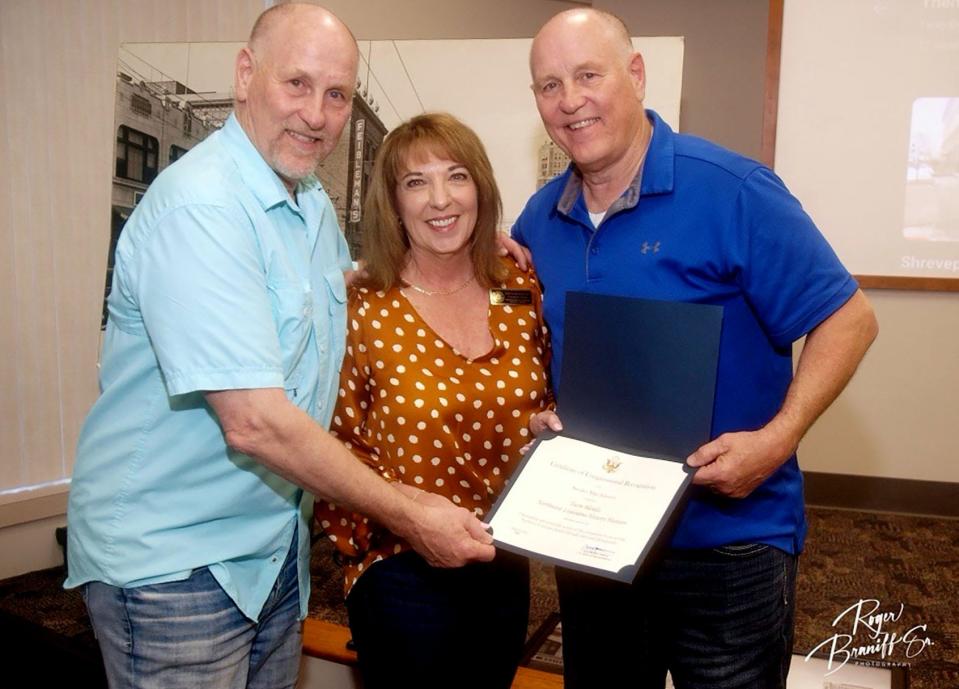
897	560
908	561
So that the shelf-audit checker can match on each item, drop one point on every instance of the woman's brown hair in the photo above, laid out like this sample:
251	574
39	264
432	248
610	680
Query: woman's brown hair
384	240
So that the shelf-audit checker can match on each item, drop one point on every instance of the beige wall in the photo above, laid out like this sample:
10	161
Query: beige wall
30	546
57	71
900	415
57	77
57	60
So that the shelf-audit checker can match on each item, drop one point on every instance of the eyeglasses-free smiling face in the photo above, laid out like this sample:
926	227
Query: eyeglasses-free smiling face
436	199
294	92
589	88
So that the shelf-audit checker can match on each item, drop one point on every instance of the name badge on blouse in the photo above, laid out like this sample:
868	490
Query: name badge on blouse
513	297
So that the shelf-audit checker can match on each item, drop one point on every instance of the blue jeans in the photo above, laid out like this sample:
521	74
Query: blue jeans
419	626
190	634
716	619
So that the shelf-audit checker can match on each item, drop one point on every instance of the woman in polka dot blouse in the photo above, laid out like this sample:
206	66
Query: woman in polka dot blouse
445	364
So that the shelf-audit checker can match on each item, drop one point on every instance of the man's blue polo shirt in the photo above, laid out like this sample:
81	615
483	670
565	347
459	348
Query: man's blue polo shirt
702	224
222	281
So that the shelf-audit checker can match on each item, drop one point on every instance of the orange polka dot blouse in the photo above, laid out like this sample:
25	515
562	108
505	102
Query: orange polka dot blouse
418	412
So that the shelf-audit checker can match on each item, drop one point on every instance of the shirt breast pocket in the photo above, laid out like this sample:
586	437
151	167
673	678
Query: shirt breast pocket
293	314
336	289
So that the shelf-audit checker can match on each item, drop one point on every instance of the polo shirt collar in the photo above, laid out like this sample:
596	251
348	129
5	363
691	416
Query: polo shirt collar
257	175
655	175
660	162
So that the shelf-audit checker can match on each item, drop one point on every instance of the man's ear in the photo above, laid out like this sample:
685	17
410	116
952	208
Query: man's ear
637	70
245	66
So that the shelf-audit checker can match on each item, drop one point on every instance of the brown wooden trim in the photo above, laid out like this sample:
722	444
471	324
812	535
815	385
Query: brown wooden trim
326	640
528	678
910	283
880	494
774	43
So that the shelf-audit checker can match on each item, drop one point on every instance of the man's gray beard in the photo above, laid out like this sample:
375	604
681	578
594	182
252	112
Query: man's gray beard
297	175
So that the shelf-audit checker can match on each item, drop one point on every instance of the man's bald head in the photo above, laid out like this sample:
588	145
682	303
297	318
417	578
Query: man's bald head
273	20
613	26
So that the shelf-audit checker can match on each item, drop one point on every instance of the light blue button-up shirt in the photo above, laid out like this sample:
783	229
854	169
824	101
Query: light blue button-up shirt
222	281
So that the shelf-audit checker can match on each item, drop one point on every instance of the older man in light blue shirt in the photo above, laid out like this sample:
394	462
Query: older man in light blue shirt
188	519
157	492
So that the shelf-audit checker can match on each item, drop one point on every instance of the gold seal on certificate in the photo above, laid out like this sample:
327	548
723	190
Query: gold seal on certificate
585	506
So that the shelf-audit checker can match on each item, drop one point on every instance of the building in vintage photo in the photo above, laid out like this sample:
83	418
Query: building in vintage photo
552	161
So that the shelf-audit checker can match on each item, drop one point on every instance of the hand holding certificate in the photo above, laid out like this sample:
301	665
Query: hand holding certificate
636	398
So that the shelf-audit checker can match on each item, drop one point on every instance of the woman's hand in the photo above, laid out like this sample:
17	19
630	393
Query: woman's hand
544	421
541	422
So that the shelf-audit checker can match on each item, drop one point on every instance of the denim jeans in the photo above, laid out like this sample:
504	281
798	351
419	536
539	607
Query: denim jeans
716	619
190	634
419	626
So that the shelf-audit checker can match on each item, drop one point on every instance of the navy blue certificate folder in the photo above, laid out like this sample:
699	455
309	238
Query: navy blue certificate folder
639	375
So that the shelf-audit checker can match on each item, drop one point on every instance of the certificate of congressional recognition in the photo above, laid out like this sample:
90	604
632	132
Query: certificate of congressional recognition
583	504
636	398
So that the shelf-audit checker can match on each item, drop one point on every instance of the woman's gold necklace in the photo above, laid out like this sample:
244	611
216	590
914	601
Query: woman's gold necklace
439	292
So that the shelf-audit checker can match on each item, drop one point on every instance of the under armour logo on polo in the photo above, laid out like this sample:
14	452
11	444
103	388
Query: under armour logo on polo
647	247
